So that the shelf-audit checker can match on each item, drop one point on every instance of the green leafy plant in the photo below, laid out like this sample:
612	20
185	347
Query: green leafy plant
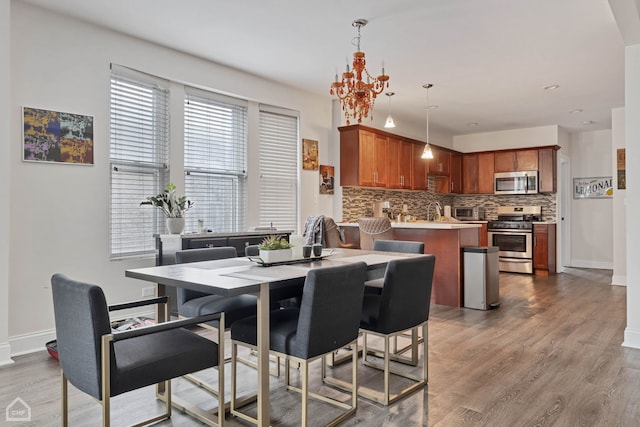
273	243
172	205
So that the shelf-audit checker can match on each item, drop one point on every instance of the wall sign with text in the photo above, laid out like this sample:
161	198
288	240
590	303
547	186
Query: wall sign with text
600	187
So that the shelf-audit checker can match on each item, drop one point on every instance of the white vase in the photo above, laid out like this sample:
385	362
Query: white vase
277	255
175	225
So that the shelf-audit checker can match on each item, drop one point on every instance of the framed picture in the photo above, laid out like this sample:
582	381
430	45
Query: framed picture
326	179
600	187
57	137
309	155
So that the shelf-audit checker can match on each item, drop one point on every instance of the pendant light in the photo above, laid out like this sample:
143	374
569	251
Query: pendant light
427	153
389	122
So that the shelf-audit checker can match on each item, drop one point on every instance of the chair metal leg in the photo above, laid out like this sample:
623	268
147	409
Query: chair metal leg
65	401
304	375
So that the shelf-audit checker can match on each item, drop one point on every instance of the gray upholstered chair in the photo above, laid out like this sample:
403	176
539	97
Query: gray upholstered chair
194	303
104	364
333	236
251	250
375	278
372	229
403	305
327	320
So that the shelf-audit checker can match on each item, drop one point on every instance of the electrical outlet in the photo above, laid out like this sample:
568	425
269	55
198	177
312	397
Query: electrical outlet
148	292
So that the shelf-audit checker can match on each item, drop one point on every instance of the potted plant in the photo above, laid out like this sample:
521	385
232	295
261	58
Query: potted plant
173	207
275	249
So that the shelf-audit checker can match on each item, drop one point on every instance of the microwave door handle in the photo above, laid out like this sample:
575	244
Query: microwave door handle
526	183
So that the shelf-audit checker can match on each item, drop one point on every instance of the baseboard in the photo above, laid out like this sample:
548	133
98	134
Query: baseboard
600	265
631	338
30	343
619	280
5	354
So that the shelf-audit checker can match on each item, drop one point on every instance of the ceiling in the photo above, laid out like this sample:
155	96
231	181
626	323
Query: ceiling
488	60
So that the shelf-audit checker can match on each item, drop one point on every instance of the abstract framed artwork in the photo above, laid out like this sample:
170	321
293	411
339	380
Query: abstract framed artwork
309	155
326	179
56	137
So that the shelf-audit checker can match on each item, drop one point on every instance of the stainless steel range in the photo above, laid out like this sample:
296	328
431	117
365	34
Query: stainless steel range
512	233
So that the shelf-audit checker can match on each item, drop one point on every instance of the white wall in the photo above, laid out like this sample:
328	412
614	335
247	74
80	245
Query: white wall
5	141
632	136
59	213
508	139
619	196
591	219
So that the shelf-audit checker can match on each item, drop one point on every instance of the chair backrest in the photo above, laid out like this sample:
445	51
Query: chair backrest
330	309
195	255
251	250
406	294
372	229
81	317
399	246
332	236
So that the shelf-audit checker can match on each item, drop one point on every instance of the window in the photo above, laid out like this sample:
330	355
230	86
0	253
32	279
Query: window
215	161
139	158
278	167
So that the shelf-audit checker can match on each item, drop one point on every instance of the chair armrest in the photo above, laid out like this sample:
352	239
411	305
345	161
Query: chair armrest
165	326
140	303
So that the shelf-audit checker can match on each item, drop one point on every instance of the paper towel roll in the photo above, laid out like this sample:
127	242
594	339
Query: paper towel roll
447	211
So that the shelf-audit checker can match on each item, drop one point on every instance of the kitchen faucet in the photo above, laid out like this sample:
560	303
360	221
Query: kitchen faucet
438	207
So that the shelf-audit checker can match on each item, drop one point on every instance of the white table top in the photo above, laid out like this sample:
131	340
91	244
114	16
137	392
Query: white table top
236	276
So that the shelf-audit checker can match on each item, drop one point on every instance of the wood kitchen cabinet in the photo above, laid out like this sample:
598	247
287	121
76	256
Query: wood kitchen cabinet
516	160
544	249
399	163
362	157
455	174
477	173
547	166
440	164
420	168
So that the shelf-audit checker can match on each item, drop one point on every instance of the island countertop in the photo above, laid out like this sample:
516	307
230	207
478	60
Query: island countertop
427	225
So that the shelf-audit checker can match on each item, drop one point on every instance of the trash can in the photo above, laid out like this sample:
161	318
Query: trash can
481	277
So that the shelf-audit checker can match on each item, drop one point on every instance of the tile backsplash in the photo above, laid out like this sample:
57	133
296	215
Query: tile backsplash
357	202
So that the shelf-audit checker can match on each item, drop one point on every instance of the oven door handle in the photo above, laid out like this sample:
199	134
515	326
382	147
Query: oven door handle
507	233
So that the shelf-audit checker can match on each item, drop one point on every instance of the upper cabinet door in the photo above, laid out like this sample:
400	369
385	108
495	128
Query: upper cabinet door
527	160
505	161
456	173
366	160
486	163
420	168
470	173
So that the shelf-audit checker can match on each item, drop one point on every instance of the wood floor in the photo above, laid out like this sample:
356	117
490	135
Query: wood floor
551	355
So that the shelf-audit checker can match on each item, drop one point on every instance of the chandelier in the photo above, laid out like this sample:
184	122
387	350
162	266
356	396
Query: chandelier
356	95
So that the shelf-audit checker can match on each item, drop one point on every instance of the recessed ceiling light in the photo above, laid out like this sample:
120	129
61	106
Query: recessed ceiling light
551	87
577	110
588	122
472	124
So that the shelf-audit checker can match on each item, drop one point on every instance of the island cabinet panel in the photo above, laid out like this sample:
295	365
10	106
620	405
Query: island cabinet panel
399	163
446	245
544	249
547	166
420	169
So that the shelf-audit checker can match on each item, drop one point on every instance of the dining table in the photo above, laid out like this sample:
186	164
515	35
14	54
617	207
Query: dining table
242	275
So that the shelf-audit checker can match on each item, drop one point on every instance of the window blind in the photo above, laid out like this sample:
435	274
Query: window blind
278	168
139	158
215	161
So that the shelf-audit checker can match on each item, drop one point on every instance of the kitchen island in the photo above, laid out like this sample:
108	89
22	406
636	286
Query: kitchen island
445	240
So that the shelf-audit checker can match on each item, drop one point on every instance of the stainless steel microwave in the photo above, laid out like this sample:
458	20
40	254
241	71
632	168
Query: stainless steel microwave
463	213
516	182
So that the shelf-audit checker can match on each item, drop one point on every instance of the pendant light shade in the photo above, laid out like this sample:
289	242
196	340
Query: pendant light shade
427	153
389	123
